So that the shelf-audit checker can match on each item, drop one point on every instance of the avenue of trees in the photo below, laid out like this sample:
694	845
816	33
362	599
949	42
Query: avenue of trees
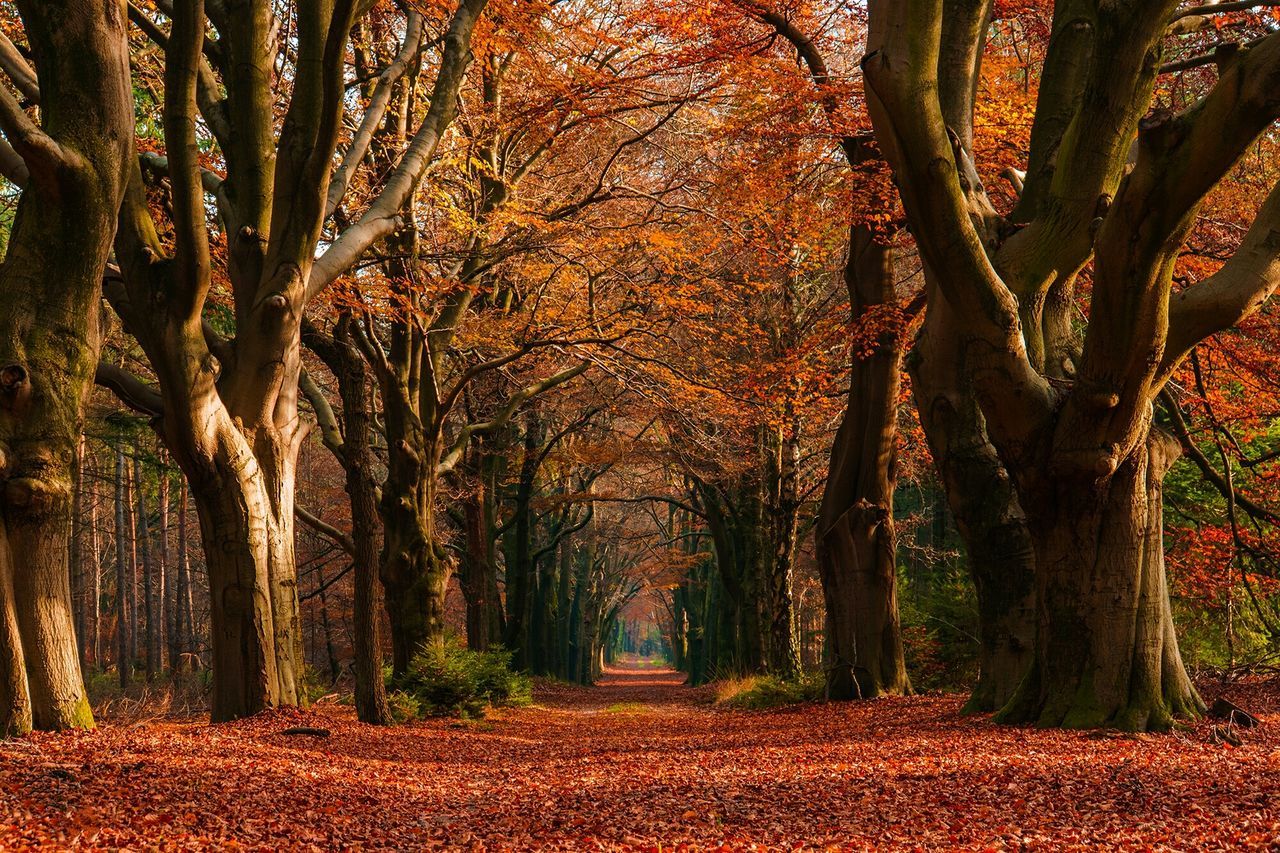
913	342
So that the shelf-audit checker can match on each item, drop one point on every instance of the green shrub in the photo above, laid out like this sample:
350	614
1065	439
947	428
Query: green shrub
939	627
405	707
758	692
313	685
453	681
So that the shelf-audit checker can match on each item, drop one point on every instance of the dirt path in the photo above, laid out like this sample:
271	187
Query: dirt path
638	762
649	686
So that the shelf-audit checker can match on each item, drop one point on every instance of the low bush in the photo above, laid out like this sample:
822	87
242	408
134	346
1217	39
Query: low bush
453	681
405	707
758	692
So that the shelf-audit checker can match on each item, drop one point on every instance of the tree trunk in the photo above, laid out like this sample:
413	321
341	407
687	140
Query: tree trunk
357	408
185	616
415	572
15	701
164	587
782	450
479	579
244	500
51	281
520	545
856	547
150	635
131	581
76	558
985	506
124	628
1105	652
352	448
95	586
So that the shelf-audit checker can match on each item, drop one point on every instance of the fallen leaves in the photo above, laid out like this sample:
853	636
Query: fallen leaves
569	774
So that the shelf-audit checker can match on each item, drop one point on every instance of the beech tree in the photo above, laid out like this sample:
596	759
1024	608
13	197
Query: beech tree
71	167
227	406
1111	184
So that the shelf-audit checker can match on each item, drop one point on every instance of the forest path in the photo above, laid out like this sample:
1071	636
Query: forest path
637	762
631	686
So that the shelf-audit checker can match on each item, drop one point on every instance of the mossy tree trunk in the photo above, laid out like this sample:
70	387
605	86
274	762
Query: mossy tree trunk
1073	425
72	167
1106	652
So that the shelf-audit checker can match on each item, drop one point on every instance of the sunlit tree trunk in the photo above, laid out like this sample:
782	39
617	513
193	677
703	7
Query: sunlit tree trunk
51	277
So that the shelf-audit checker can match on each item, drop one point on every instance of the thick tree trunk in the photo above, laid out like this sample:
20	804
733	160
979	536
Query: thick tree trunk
985	506
246	522
1106	653
415	572
856	546
51	284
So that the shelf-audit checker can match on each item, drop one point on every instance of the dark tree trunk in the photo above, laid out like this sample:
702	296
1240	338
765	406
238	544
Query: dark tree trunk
1106	653
520	546
985	506
480	576
856	547
124	641
354	452
94	567
151	638
782	452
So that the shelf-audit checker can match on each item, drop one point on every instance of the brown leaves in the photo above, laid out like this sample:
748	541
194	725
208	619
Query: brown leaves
896	773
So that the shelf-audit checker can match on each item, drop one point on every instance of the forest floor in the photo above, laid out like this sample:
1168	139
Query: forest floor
641	762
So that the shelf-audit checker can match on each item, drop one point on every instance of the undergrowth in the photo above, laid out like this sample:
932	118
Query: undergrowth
453	681
758	692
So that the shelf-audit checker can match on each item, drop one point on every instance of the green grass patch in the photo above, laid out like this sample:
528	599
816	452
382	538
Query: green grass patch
627	708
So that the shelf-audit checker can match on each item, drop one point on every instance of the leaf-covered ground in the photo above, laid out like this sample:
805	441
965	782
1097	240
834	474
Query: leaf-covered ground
642	762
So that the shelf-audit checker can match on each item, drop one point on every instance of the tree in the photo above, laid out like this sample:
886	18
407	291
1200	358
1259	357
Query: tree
1083	452
71	166
227	406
